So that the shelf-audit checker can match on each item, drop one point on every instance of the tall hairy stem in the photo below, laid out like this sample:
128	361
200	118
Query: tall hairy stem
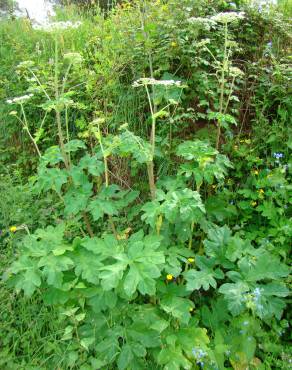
222	84
25	126
150	164
106	174
153	110
67	160
58	115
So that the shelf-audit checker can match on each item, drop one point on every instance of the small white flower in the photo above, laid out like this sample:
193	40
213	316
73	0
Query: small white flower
203	22
236	71
227	17
25	64
19	99
57	26
73	57
153	81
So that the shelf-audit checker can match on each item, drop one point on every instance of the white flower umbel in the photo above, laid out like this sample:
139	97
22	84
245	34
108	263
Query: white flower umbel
25	64
57	26
202	22
19	99
234	71
73	58
227	17
153	81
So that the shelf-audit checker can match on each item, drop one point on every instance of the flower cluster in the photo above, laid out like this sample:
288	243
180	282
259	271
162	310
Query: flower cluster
74	58
57	26
227	17
19	99
257	298
25	64
199	355
153	81
278	155
202	22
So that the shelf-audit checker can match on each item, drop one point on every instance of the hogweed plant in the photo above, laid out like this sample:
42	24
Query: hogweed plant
225	70
145	82
167	283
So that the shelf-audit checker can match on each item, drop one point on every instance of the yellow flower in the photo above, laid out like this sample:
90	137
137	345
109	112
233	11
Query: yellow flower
261	191
253	203
191	260
13	229
214	186
169	277
191	309
256	172
173	44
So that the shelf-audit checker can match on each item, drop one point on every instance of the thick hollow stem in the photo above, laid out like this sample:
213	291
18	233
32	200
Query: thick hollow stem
153	110
106	174
222	84
150	165
25	126
151	179
58	115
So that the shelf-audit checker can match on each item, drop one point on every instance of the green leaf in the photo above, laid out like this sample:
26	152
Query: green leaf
200	279
76	199
264	266
235	296
135	145
92	164
173	359
51	179
100	207
145	264
29	276
139	332
204	278
74	145
217	243
125	358
178	307
86	342
112	274
86	265
53	267
106	247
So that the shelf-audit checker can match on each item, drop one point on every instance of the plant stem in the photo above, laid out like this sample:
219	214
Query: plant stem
222	84
40	85
150	165
25	126
153	109
58	115
106	173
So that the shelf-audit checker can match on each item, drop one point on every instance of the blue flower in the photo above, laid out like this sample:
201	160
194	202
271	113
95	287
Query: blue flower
278	155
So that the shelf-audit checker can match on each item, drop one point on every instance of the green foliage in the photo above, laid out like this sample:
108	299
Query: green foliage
143	240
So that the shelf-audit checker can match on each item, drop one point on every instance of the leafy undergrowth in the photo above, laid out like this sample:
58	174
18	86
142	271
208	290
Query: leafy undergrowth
145	223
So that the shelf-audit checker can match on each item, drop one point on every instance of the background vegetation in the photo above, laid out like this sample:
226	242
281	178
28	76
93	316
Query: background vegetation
148	224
